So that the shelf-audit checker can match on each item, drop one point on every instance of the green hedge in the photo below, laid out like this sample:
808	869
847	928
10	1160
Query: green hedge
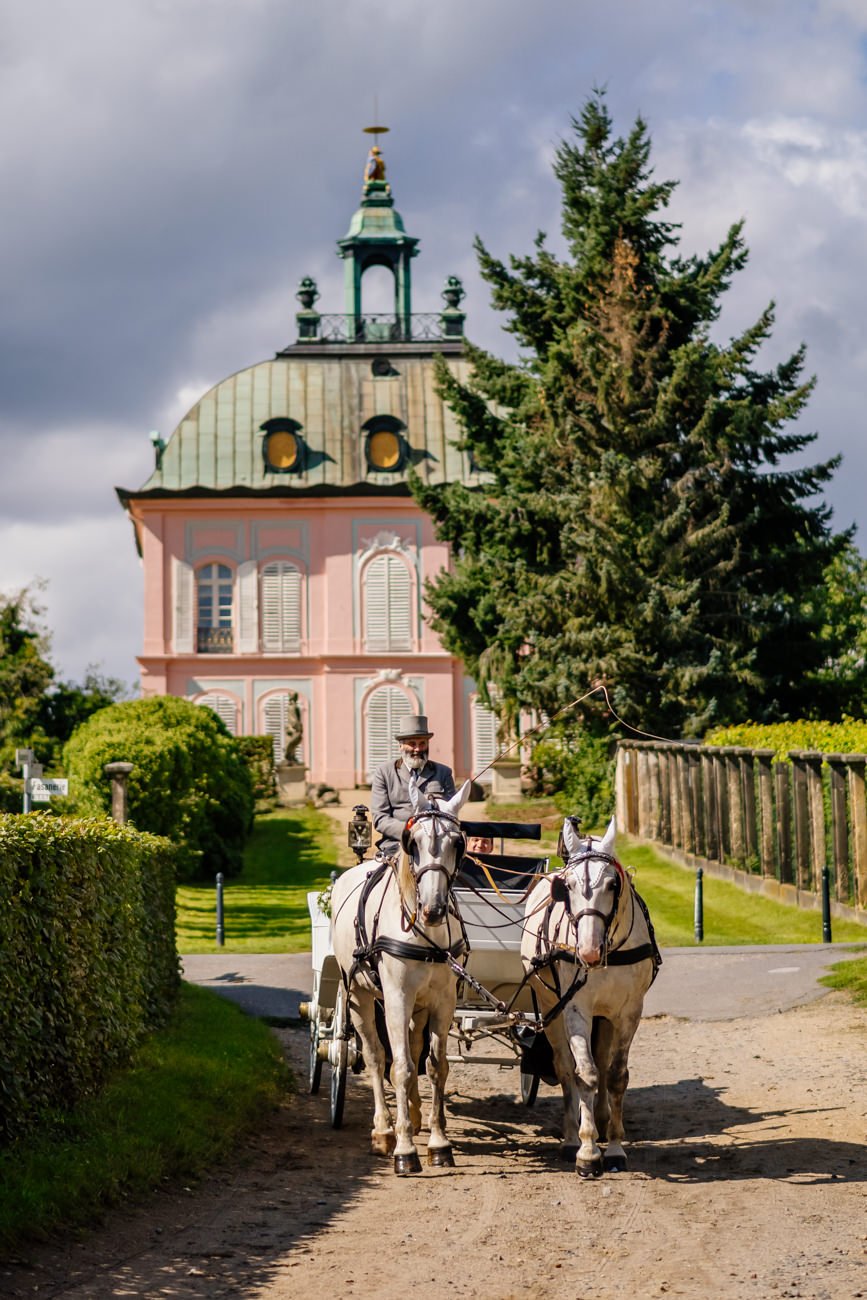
88	961
258	754
189	780
846	737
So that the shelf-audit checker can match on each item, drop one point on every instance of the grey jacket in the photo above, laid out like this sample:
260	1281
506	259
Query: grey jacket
389	797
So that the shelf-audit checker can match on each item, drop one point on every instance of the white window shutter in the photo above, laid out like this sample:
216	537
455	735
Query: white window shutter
484	736
387	605
182	606
386	708
275	724
225	708
281	607
248	611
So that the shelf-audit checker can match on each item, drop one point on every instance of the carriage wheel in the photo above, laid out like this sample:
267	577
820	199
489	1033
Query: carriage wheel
529	1088
314	1072
340	1050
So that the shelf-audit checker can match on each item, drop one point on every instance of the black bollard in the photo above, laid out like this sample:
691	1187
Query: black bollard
220	930
699	905
826	905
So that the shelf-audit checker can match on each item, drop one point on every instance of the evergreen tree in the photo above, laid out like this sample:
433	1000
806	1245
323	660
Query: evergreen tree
638	519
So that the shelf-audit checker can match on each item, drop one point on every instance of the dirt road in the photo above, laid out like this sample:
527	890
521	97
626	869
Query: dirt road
748	1178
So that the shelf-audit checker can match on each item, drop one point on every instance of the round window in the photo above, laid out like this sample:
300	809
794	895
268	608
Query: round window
384	450
282	449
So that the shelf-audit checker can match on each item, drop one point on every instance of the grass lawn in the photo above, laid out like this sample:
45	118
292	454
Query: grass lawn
192	1088
291	851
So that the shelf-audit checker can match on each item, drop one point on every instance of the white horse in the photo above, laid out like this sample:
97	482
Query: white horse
589	942
391	930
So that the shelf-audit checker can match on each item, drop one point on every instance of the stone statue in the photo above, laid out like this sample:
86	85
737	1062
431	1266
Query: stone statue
375	167
294	727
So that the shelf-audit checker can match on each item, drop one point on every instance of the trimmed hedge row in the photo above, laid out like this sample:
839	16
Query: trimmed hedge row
846	737
87	957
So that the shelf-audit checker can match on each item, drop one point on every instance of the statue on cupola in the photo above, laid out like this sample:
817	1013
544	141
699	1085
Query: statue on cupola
375	167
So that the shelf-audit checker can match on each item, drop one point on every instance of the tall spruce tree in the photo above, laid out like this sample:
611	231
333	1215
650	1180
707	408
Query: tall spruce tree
639	518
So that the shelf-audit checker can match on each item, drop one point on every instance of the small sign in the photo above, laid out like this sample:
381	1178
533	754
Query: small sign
23	756
41	791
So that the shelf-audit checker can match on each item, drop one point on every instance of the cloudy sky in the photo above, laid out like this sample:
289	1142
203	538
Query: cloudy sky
171	168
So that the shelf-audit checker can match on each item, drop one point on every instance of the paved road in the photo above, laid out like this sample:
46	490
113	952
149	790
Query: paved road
694	983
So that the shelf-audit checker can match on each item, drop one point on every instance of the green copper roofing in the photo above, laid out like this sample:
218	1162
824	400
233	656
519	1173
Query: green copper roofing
218	446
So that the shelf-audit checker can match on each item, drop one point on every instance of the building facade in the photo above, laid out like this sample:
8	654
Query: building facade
283	553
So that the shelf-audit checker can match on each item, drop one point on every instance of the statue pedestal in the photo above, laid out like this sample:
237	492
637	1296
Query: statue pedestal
291	784
506	778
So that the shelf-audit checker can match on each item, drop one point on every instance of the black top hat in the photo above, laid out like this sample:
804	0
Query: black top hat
413	727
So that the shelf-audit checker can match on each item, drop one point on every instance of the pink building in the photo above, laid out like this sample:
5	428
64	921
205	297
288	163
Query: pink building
282	550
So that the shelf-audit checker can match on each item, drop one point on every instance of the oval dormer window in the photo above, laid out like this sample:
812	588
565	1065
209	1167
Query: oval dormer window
283	447
385	445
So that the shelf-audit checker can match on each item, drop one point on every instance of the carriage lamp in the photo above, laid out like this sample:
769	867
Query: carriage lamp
359	831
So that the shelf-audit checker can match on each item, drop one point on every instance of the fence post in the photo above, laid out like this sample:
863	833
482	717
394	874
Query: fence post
642	775
699	905
711	818
813	765
766	803
221	933
675	796
735	804
748	803
664	776
687	823
839	827
826	907
693	758
858	812
802	819
783	784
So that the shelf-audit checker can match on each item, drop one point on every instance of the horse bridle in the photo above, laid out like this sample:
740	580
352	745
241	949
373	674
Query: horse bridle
587	855
430	814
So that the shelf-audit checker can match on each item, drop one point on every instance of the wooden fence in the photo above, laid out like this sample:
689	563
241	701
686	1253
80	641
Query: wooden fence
781	821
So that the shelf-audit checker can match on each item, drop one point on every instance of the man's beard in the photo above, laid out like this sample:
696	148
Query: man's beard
415	762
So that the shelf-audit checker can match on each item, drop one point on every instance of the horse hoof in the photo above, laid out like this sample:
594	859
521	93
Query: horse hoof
407	1164
569	1154
441	1157
589	1168
614	1164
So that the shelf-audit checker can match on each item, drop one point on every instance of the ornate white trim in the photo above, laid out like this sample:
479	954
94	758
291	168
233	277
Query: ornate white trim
384	541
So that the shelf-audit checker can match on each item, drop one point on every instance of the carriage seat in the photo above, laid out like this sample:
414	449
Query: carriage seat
508	871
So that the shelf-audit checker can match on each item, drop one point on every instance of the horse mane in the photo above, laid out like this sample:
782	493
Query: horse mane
406	882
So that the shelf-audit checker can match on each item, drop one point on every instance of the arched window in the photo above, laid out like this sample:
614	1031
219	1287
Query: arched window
214	609
274	713
388	605
483	730
225	708
387	706
281	607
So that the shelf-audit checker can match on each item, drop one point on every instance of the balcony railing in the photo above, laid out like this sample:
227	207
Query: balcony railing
380	328
214	640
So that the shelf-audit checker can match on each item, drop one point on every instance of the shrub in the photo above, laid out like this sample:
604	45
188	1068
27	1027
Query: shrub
846	737
189	781
258	754
87	957
577	769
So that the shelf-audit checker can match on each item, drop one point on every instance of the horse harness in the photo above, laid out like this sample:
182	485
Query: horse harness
370	947
549	953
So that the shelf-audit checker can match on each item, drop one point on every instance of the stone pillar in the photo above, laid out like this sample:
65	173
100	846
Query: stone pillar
676	798
858	813
722	800
506	778
766	804
291	781
735	804
119	773
663	772
696	794
711	809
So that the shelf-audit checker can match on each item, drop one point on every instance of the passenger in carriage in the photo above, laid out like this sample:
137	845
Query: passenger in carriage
389	796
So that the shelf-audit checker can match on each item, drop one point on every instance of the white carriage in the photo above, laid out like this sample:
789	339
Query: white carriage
496	1021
